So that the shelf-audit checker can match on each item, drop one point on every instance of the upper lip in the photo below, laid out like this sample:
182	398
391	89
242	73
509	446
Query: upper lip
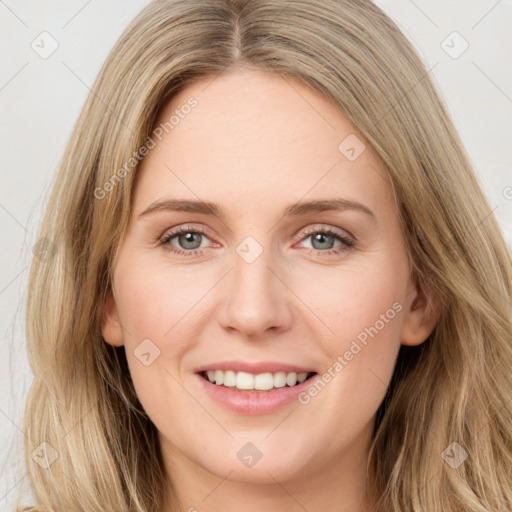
255	368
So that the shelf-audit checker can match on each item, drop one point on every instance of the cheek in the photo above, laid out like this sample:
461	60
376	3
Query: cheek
349	302
159	316
363	312
162	310
157	302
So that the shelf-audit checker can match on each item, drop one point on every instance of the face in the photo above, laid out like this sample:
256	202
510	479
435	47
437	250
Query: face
223	276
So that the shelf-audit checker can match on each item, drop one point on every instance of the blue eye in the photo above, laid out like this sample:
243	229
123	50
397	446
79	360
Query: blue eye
326	237
190	239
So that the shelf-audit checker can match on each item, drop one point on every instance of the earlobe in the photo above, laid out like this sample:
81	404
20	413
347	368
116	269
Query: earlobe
111	326
421	314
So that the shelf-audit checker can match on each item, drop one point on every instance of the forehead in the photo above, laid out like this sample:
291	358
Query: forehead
256	138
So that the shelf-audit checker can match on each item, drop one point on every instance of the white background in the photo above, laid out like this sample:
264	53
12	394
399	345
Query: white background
40	100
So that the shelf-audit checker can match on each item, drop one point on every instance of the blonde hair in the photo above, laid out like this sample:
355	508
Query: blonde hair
454	388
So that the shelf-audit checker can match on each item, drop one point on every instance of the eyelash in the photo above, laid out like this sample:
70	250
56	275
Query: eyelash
346	241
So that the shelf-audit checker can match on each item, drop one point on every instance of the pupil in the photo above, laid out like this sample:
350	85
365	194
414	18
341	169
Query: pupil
188	239
321	237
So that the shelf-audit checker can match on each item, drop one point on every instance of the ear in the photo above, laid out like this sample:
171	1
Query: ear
111	326
422	310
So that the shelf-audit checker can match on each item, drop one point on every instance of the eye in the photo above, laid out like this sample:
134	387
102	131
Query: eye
323	239
189	238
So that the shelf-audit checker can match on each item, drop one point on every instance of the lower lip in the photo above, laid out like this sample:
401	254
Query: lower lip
254	402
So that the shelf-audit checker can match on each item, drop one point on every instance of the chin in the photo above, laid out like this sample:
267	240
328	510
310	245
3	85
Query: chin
255	459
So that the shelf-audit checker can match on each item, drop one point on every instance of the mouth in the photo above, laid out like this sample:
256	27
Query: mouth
254	387
250	382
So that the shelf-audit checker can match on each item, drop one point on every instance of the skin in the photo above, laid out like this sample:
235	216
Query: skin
254	144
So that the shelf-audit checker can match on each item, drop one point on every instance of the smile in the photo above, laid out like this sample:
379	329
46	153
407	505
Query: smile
254	389
245	381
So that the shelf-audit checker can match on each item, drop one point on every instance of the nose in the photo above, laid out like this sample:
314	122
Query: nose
255	299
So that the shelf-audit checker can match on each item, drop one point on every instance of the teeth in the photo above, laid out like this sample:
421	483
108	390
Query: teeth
219	377
279	379
291	379
243	380
259	382
230	378
301	377
264	381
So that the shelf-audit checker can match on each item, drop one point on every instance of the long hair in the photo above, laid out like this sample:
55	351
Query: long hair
450	399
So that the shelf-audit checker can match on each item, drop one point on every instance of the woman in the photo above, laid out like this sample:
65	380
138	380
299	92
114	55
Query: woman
258	368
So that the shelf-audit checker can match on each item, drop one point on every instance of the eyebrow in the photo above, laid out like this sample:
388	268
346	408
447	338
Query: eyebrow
293	210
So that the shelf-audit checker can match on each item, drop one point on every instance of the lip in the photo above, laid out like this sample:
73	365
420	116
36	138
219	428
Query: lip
253	403
255	368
